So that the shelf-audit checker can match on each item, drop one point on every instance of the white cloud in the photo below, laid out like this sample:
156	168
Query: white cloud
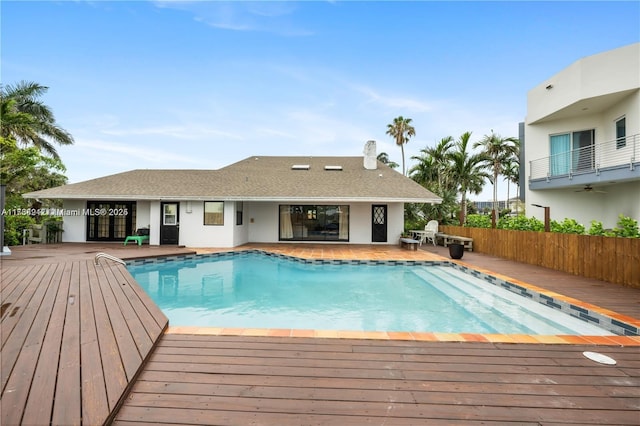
400	103
320	130
108	150
185	132
275	132
265	16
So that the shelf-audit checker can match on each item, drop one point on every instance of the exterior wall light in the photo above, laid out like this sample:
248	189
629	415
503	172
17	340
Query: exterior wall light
547	217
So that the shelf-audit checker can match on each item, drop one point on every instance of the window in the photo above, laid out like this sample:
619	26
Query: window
170	214
239	209
110	220
621	133
571	152
314	222
214	212
560	154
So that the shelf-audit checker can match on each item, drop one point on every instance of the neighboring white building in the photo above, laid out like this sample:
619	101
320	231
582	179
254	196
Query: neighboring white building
582	140
260	199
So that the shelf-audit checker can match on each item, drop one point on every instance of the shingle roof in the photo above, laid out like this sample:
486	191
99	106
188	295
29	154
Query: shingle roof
254	178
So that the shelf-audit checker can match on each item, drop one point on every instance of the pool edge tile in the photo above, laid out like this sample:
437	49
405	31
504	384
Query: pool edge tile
629	340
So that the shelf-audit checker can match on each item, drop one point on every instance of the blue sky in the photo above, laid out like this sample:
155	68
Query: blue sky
203	84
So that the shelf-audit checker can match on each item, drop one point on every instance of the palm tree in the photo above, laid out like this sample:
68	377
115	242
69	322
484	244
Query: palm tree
401	130
28	121
425	172
498	151
383	157
439	155
511	173
466	171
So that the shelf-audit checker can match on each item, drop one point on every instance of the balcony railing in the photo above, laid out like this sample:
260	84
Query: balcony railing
617	153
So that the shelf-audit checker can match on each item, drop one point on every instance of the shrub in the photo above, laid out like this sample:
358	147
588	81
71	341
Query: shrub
568	226
597	229
478	221
413	224
520	223
627	227
13	227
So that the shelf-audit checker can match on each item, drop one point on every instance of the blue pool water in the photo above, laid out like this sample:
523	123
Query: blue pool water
258	291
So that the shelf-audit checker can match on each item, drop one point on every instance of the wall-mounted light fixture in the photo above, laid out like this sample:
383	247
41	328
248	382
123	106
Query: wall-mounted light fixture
549	87
547	217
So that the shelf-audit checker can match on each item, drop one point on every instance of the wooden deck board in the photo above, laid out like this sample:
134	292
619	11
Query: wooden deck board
68	385
142	342
68	336
193	379
16	325
125	344
20	305
81	333
11	278
40	402
116	379
25	358
95	406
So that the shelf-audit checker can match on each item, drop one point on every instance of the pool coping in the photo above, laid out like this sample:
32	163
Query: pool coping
627	328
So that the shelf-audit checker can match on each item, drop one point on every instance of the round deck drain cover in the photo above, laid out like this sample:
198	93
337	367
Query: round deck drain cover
597	357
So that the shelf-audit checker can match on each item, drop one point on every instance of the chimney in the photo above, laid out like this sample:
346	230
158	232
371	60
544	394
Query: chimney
370	157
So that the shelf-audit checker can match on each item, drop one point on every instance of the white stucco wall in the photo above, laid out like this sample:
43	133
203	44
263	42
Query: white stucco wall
260	223
154	220
194	233
537	136
623	198
263	221
74	227
608	72
241	232
143	214
584	207
592	93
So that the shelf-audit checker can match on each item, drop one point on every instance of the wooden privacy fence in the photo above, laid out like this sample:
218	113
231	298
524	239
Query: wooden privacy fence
611	259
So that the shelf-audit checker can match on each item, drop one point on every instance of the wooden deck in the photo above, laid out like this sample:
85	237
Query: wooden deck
74	336
296	381
83	344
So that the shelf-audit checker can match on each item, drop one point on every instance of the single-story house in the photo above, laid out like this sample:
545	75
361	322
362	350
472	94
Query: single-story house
259	199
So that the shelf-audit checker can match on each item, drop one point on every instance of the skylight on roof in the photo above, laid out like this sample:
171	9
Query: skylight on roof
333	167
300	167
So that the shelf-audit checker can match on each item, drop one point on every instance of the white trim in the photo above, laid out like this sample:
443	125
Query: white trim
236	198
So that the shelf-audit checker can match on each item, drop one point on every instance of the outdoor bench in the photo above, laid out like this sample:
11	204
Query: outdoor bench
465	241
409	243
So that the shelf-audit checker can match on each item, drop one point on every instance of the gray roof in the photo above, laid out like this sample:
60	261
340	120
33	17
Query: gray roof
254	178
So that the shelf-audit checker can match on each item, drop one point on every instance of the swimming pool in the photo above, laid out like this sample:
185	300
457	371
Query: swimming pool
253	290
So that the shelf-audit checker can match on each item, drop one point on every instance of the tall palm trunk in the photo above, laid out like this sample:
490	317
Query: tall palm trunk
508	187
494	213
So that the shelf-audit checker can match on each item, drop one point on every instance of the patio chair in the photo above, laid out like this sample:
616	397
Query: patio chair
141	236
430	230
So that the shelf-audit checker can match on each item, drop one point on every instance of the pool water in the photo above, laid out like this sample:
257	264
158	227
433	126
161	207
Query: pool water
258	291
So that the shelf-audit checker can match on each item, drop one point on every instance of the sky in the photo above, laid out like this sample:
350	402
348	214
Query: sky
204	84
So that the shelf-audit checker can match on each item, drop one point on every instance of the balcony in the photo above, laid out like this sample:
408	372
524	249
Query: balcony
607	162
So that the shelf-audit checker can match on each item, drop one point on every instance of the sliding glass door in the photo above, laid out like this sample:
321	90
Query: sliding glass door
572	152
314	223
560	154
